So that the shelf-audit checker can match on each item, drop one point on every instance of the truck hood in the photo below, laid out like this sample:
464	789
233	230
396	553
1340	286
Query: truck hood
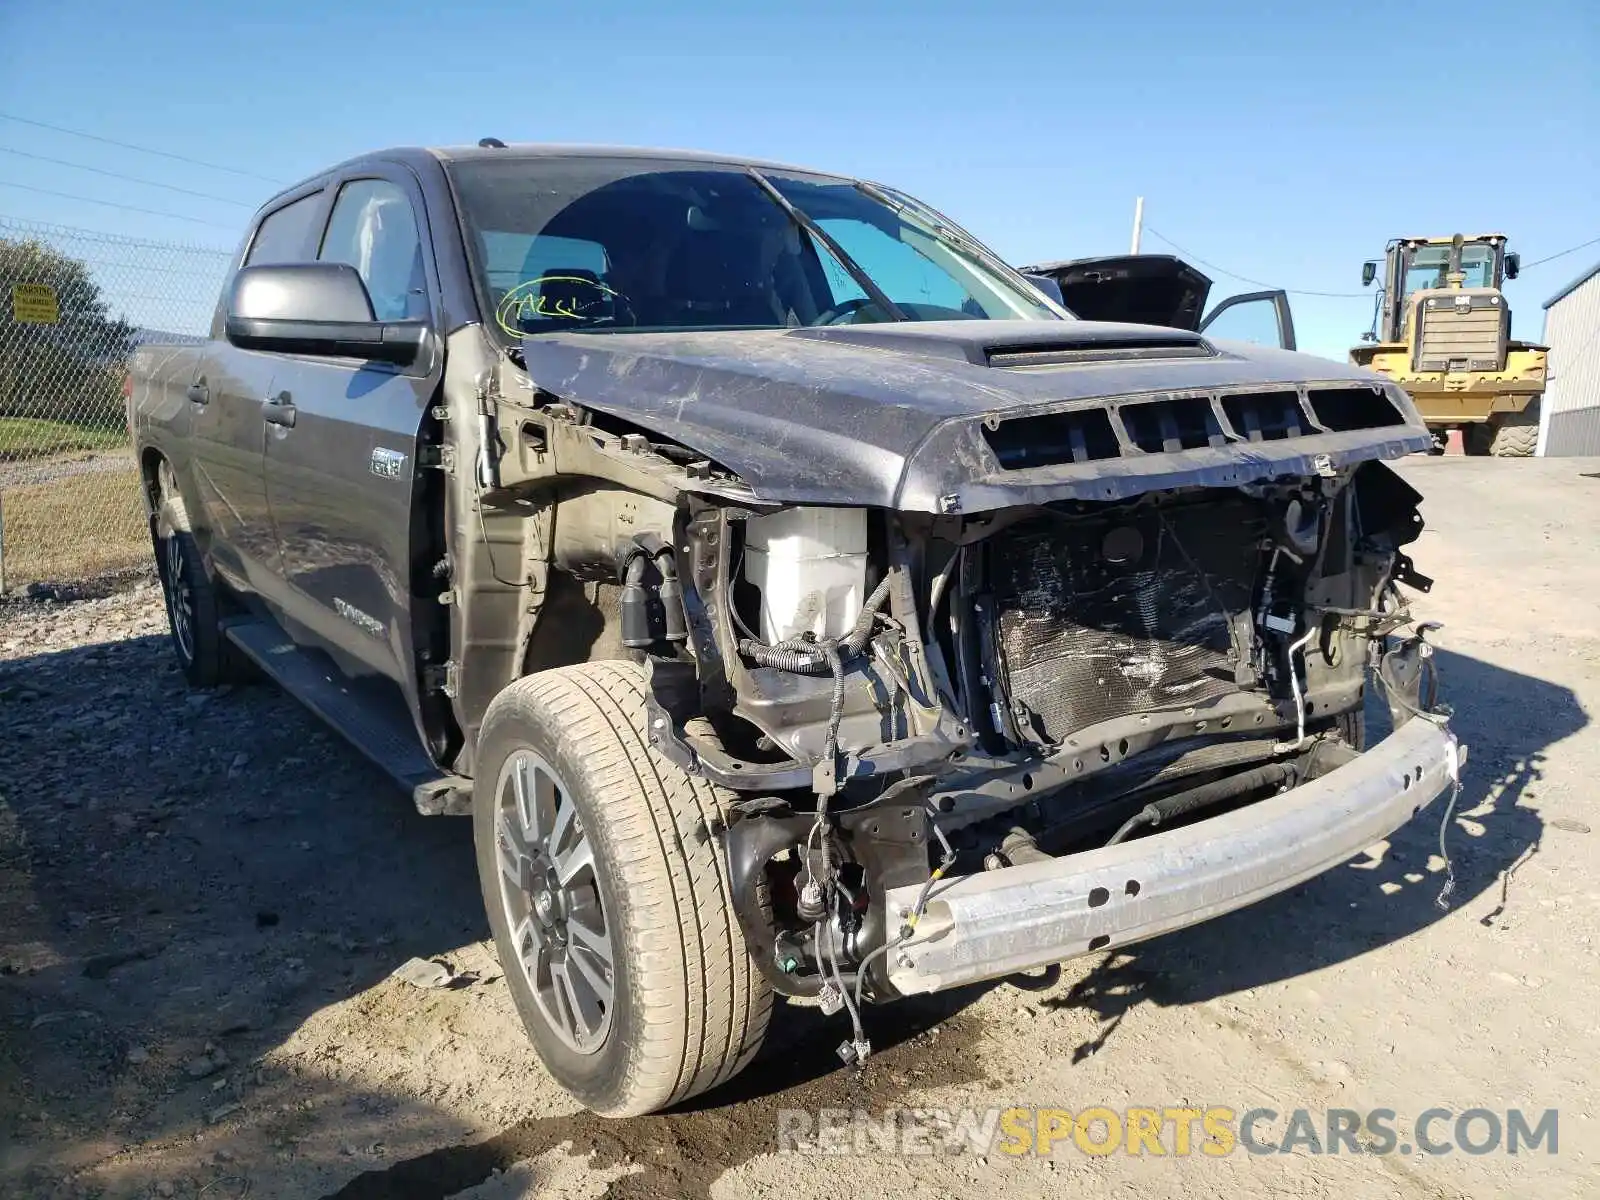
1151	289
967	416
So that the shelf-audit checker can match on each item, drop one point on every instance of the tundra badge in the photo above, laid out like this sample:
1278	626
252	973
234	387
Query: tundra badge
386	463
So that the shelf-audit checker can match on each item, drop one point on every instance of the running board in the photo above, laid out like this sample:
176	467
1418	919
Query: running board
391	743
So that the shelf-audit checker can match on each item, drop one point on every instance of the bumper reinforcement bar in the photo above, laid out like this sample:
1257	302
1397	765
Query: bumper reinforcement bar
1018	918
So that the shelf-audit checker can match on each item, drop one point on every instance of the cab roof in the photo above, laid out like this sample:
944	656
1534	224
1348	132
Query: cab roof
418	156
1450	237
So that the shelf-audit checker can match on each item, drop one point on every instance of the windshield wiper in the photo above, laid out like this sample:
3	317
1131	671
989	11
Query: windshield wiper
807	225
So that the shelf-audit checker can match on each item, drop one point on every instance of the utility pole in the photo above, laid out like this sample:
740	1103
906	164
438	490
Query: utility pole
1138	224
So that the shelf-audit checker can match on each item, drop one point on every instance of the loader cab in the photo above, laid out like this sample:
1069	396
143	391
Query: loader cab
1160	289
1413	265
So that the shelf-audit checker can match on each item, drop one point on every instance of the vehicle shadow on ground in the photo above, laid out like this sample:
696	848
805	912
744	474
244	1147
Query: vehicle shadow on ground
1507	720
187	880
167	896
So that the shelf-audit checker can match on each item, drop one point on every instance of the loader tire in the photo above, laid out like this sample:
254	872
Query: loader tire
607	888
1516	435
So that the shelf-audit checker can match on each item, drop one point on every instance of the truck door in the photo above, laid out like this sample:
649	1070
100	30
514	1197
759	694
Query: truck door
1260	317
228	436
341	444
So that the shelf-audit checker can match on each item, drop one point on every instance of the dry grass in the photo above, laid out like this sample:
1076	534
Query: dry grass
74	527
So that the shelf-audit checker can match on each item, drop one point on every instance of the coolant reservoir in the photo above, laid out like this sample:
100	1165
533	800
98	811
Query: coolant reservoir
811	567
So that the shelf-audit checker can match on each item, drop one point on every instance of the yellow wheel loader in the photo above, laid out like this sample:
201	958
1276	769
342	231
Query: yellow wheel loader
1442	330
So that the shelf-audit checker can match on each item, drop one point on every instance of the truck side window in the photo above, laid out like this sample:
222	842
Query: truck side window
1253	321
374	230
284	235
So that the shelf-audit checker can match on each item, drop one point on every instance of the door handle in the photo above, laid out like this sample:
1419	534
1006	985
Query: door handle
279	410
199	393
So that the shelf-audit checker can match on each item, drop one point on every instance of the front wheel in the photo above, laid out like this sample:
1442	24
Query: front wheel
607	889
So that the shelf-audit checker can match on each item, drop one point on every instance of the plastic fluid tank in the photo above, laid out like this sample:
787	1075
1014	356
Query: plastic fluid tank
811	567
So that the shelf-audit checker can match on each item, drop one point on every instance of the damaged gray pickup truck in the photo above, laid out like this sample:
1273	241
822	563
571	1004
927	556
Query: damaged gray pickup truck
798	598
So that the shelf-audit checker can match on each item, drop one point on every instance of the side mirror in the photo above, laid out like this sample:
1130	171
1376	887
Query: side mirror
1513	265
1369	272
315	308
1048	286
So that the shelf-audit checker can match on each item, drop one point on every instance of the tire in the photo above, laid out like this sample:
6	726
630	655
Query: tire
687	1008
1516	435
193	604
1352	727
1475	438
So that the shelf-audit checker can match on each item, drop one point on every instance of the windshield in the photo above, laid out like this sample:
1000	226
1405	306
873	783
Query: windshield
1426	267
613	245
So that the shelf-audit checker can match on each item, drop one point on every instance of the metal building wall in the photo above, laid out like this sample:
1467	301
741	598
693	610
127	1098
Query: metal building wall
1569	419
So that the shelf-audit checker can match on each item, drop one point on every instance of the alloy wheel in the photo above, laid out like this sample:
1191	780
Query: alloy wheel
550	896
180	599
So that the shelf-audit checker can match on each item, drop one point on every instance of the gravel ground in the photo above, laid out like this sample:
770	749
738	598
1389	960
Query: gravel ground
31	471
203	896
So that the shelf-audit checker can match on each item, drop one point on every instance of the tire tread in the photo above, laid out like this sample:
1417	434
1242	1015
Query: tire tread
702	1005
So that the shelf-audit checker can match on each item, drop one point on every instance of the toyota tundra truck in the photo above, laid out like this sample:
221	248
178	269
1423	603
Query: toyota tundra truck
798	599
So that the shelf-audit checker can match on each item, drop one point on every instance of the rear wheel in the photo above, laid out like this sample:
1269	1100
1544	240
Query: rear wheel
607	890
1515	435
193	605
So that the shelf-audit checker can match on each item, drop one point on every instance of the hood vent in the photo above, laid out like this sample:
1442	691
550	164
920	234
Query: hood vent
1163	426
1046	441
1266	416
1342	409
1077	353
1173	424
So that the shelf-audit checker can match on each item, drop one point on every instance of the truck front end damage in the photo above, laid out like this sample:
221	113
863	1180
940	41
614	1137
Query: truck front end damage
990	740
1018	678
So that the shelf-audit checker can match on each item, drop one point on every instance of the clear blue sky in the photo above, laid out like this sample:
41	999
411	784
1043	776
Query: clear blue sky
1284	141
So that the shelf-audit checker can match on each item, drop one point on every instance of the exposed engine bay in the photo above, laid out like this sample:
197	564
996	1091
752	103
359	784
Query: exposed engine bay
953	695
1016	668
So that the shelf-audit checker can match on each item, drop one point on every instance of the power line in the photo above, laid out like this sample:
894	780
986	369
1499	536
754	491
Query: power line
94	137
1539	262
1245	278
154	212
119	175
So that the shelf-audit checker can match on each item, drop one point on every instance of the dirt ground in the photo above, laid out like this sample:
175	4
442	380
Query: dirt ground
202	897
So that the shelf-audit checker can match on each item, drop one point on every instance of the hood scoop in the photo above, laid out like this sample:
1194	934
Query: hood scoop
1017	345
1070	354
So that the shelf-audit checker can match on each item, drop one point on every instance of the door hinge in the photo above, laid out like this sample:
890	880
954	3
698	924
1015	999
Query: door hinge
442	457
442	677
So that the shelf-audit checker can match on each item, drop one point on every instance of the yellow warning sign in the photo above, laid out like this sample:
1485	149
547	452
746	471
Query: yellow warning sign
35	304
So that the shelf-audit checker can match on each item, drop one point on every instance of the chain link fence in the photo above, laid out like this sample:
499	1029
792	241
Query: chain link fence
74	306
